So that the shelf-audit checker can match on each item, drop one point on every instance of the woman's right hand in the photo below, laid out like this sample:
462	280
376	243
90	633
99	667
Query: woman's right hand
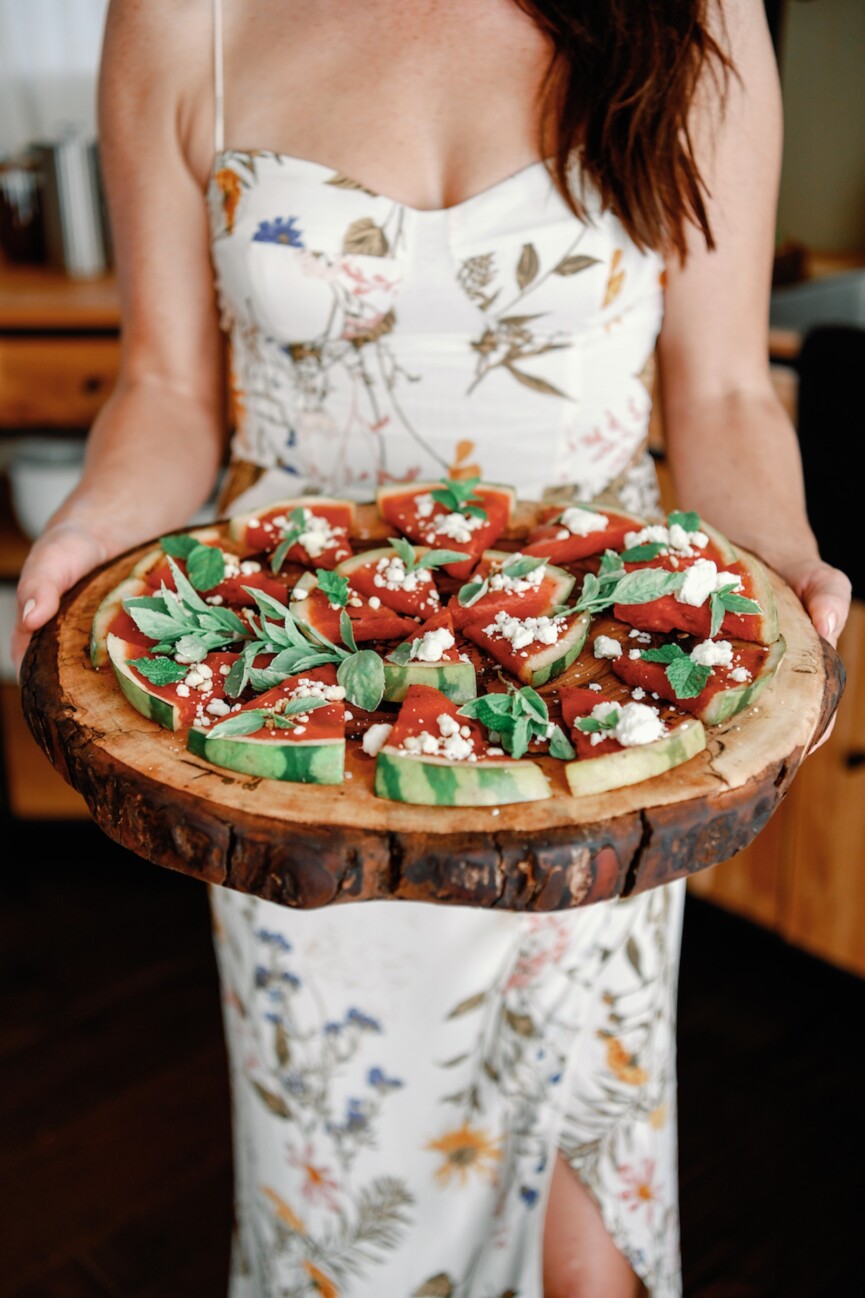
61	556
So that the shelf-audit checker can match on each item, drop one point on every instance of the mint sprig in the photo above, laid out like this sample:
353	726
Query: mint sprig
334	586
205	564
160	670
517	566
518	717
413	561
598	725
248	721
686	677
726	600
457	496
291	533
688	520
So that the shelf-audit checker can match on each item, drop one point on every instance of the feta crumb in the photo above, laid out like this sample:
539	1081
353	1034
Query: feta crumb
712	653
606	647
740	674
375	737
432	645
581	521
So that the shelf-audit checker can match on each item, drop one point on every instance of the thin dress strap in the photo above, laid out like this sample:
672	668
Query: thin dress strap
218	80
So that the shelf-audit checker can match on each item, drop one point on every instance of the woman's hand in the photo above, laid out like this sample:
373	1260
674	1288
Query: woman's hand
825	593
62	555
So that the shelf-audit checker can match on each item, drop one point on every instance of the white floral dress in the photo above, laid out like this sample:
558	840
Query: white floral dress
403	1073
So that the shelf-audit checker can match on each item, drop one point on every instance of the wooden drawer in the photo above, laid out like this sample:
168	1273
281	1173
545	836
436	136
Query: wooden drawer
55	382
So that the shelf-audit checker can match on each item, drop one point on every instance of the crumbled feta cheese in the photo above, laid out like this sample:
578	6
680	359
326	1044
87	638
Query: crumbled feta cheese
499	580
637	724
374	601
318	534
674	539
593	685
740	675
638	693
582	522
375	737
458	527
525	631
606	647
712	653
450	741
700	582
218	708
424	505
634	654
300	592
432	645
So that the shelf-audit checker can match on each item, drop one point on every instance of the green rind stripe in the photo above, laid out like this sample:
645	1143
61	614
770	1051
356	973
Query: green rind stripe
110	606
298	761
588	775
455	680
550	663
726	703
441	784
763	593
149	705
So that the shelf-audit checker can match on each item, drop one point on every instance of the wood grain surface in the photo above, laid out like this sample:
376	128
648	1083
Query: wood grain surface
309	846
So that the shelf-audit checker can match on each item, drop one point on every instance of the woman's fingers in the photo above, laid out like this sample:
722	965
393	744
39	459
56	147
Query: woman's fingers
825	592
57	560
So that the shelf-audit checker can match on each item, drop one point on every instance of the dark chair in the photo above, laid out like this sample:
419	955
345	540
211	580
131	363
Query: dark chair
831	429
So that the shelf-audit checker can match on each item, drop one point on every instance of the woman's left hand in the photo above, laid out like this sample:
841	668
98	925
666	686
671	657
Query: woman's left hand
825	592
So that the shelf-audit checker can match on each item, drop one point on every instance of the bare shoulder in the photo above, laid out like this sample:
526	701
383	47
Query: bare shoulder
156	69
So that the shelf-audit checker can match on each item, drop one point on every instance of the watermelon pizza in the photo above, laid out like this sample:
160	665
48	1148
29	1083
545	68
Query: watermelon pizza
470	657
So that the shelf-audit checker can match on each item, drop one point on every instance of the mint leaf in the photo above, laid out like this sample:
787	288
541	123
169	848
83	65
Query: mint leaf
438	558
530	702
180	546
405	550
726	600
457	495
362	677
646	584
472	592
160	671
492	710
665	653
597	725
334	586
560	746
186	592
686	519
521	566
640	553
240	723
686	677
205	566
346	631
402	653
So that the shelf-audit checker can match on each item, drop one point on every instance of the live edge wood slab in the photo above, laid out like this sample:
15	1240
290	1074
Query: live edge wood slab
308	846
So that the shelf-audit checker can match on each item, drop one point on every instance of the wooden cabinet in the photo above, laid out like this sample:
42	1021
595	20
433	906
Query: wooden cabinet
59	358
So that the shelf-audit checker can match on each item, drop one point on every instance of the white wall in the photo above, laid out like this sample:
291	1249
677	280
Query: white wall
822	199
49	53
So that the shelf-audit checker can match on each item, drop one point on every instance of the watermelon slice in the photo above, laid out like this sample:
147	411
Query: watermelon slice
434	757
533	649
739	671
492	589
430	657
311	751
199	694
680	541
309	604
381	576
417	515
577	531
675	612
231	590
640	747
111	616
323	526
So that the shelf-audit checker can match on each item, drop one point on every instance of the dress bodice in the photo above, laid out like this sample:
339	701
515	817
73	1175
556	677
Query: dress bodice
374	342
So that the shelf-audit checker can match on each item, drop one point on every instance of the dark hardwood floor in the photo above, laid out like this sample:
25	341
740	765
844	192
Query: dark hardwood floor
115	1157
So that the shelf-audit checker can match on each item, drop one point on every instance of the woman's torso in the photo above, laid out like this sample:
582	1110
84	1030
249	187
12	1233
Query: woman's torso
373	340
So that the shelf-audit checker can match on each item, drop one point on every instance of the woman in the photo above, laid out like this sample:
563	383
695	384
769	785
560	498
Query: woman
439	1100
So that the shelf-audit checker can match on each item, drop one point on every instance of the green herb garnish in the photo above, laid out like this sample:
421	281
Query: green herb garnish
458	496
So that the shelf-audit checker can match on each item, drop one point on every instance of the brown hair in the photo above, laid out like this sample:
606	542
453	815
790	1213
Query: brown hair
617	97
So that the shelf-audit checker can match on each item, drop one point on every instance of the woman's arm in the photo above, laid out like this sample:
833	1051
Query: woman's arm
733	452
155	447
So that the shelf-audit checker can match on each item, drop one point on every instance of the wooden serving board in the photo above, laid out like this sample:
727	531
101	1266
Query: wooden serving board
308	846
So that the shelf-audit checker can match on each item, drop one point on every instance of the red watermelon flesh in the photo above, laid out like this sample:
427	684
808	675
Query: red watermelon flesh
652	676
670	614
522	599
421	519
576	702
554	540
322	723
366	623
265	531
383	577
419	713
187	697
441	619
230	591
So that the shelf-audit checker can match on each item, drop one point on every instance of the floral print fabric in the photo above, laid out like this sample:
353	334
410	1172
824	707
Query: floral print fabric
403	1073
374	342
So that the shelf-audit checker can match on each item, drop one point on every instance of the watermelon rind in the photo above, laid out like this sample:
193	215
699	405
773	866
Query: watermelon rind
437	782
297	760
144	700
457	681
591	775
726	703
238	523
551	661
109	607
